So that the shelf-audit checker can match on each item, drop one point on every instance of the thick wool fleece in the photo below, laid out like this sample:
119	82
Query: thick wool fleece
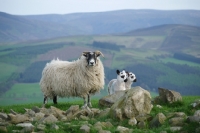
72	79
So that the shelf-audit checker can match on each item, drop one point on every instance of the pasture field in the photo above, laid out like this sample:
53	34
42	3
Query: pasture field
6	71
181	62
28	93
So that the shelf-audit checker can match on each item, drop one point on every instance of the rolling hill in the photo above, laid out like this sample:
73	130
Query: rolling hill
35	27
176	38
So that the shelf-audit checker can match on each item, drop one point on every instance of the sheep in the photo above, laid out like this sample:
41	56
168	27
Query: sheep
119	83
128	81
79	78
131	78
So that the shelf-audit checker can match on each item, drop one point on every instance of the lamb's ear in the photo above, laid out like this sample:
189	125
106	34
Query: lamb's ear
84	54
127	73
118	72
98	53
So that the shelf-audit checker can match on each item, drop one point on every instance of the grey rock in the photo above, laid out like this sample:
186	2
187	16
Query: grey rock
3	116
167	96
36	109
72	110
196	103
176	121
134	102
41	127
193	119
85	129
104	113
54	126
82	117
49	119
175	129
15	119
38	116
122	129
104	131
25	125
143	117
59	114
197	113
132	121
109	100
142	125
30	112
13	112
158	120
3	129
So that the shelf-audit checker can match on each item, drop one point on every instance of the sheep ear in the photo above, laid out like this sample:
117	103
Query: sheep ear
84	54
127	73
98	53
118	72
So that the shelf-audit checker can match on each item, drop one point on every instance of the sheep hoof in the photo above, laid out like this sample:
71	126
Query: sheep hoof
89	105
84	106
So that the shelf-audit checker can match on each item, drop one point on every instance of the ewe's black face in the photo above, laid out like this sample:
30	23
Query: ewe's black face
91	57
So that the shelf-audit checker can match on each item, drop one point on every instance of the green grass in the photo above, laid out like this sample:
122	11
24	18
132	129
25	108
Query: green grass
6	71
74	125
176	61
28	93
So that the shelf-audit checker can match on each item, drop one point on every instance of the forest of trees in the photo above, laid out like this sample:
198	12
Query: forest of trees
187	57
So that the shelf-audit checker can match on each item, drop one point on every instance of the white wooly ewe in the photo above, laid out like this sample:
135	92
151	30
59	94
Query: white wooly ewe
79	78
131	78
117	84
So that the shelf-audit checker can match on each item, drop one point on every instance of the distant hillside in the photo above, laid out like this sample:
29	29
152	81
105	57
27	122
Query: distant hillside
176	37
18	28
34	27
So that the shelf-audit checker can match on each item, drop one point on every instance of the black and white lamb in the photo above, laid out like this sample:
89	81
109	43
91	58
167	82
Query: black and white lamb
130	79
119	83
79	78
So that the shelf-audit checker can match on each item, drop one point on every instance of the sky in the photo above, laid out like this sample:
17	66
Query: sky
36	7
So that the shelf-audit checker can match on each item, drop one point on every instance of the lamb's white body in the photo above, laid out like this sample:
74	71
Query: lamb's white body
117	84
72	79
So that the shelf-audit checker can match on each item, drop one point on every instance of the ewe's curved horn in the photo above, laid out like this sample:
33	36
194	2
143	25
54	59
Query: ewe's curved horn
98	53
84	53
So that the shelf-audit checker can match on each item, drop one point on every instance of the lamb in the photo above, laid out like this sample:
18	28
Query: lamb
119	83
131	78
79	78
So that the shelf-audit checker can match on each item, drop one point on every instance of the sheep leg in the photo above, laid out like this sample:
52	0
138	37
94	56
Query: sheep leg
85	103
89	102
55	99
45	100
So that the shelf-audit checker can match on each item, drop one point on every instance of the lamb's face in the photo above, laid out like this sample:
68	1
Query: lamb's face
122	76
132	77
91	57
